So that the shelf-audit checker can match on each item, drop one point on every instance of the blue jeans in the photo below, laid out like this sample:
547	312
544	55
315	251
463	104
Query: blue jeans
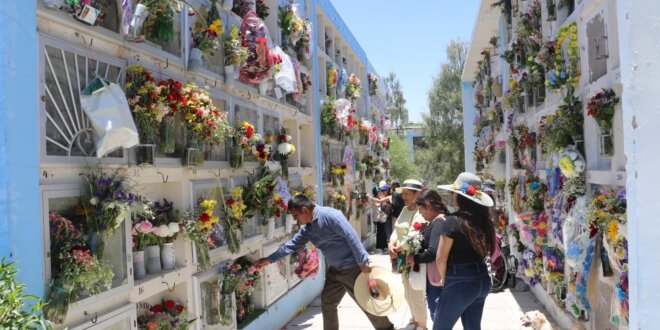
463	296
432	295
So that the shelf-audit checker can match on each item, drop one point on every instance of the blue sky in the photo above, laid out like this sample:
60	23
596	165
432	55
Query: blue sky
409	38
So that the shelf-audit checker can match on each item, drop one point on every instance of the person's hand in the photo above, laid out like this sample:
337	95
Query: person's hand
398	248
410	260
365	268
261	263
390	248
442	281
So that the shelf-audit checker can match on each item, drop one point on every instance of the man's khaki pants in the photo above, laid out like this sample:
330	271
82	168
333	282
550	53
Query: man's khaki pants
337	283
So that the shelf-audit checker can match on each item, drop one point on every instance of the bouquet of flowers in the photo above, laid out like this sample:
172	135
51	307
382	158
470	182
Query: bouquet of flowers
338	172
291	24
369	166
337	201
166	220
142	234
558	72
199	223
328	117
605	209
302	48
109	204
242	7
236	53
235	211
521	138
373	83
333	76
307	191
284	149
571	163
262	150
601	107
240	279
353	87
344	112
160	23
166	315
306	262
367	132
263	10
535	197
204	121
75	269
205	36
146	101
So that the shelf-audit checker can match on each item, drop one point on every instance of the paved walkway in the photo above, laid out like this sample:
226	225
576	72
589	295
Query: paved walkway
502	312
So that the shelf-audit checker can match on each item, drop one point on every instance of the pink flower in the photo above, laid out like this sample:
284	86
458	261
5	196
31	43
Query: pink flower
143	227
251	270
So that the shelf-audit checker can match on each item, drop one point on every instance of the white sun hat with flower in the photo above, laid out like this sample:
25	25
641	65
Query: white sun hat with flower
469	185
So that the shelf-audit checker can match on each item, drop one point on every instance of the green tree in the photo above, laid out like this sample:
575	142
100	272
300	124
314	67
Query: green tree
443	126
14	310
401	164
395	103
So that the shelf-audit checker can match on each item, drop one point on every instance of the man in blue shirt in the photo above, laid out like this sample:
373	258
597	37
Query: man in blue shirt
330	232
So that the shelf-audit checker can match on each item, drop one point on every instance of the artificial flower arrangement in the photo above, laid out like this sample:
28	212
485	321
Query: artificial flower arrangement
199	224
160	23
353	87
373	83
284	149
571	163
601	108
205	36
76	270
235	212
291	24
168	315
560	72
305	262
344	113
262	9
535	194
338	172
302	48
109	204
146	101
532	267
513	96
521	138
607	208
236	54
333	76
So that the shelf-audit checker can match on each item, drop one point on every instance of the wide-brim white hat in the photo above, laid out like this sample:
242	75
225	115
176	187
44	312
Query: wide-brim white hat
469	185
410	184
390	289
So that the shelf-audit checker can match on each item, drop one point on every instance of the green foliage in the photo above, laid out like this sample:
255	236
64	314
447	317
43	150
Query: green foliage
401	165
443	127
395	102
14	310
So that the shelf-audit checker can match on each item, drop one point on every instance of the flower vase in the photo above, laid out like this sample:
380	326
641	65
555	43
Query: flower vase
153	255
59	297
195	61
270	229
136	25
203	257
234	240
263	87
606	141
235	156
334	180
167	141
138	265
168	256
146	151
227	5
227	309
193	155
229	74
284	164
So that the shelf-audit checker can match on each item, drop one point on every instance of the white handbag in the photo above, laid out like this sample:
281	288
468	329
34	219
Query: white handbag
417	280
108	112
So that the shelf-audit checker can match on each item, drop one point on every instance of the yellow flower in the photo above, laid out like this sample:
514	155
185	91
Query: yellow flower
573	28
209	204
573	36
543	225
574	44
216	27
612	230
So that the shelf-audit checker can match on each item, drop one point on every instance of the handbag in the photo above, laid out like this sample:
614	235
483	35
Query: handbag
417	280
381	217
106	107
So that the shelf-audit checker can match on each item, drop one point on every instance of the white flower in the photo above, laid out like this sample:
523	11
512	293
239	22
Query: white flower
284	148
164	231
94	201
173	227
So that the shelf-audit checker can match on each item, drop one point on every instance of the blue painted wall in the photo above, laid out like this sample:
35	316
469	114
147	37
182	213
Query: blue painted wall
20	202
469	111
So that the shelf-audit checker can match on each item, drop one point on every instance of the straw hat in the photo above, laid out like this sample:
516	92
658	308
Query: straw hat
410	184
389	286
469	185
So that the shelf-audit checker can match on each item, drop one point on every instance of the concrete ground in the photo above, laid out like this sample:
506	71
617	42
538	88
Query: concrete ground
502	311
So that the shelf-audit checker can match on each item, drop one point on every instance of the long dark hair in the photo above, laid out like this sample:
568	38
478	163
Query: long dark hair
433	198
476	226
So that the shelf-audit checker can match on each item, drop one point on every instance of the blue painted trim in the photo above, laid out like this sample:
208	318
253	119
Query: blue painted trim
317	113
20	206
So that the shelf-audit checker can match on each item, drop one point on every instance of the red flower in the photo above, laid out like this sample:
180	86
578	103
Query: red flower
471	190
156	308
152	325
230	201
170	304
248	283
179	308
417	226
204	217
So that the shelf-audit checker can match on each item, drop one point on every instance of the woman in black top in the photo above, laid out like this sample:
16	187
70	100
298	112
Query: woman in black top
467	237
430	206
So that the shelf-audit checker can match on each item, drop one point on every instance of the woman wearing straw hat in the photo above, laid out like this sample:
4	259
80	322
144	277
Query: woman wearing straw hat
409	216
331	233
468	236
433	209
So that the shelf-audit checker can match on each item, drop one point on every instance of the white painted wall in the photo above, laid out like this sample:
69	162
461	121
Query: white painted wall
639	33
469	111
